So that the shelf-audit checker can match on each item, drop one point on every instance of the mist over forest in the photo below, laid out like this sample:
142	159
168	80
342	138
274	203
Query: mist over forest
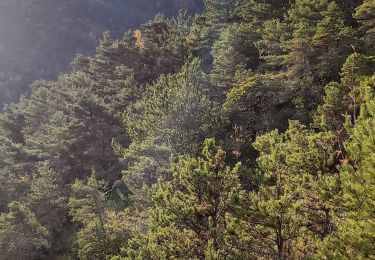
40	38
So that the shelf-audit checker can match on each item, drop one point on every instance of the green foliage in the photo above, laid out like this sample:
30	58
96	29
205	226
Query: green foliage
137	112
272	45
21	235
40	38
285	215
344	100
220	12
335	39
188	218
88	200
256	12
176	109
233	52
46	197
258	104
354	234
87	206
146	163
330	114
365	15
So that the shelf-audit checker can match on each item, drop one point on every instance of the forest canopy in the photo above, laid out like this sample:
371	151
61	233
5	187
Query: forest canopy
246	131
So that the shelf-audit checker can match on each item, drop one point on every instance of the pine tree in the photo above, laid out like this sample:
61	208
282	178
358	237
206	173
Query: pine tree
15	161
285	215
188	219
272	44
88	206
343	99
257	12
146	162
330	116
301	54
89	200
73	128
137	112
256	105
21	235
207	27
302	57
46	199
165	43
234	53
365	15
221	12
176	109
354	233
334	41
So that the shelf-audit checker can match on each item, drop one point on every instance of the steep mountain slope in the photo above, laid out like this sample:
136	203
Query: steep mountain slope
38	39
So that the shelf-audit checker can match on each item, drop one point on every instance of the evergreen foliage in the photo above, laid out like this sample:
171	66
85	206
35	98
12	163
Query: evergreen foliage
244	132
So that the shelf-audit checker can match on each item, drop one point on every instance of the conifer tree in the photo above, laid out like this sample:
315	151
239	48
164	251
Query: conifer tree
207	27
334	41
343	99
87	206
256	105
21	235
354	234
46	198
272	44
137	112
234	53
188	219
301	55
285	215
146	161
176	109
257	12
15	163
365	15
302	58
221	12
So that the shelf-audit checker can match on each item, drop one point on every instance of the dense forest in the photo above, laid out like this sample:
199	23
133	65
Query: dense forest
39	38
246	131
